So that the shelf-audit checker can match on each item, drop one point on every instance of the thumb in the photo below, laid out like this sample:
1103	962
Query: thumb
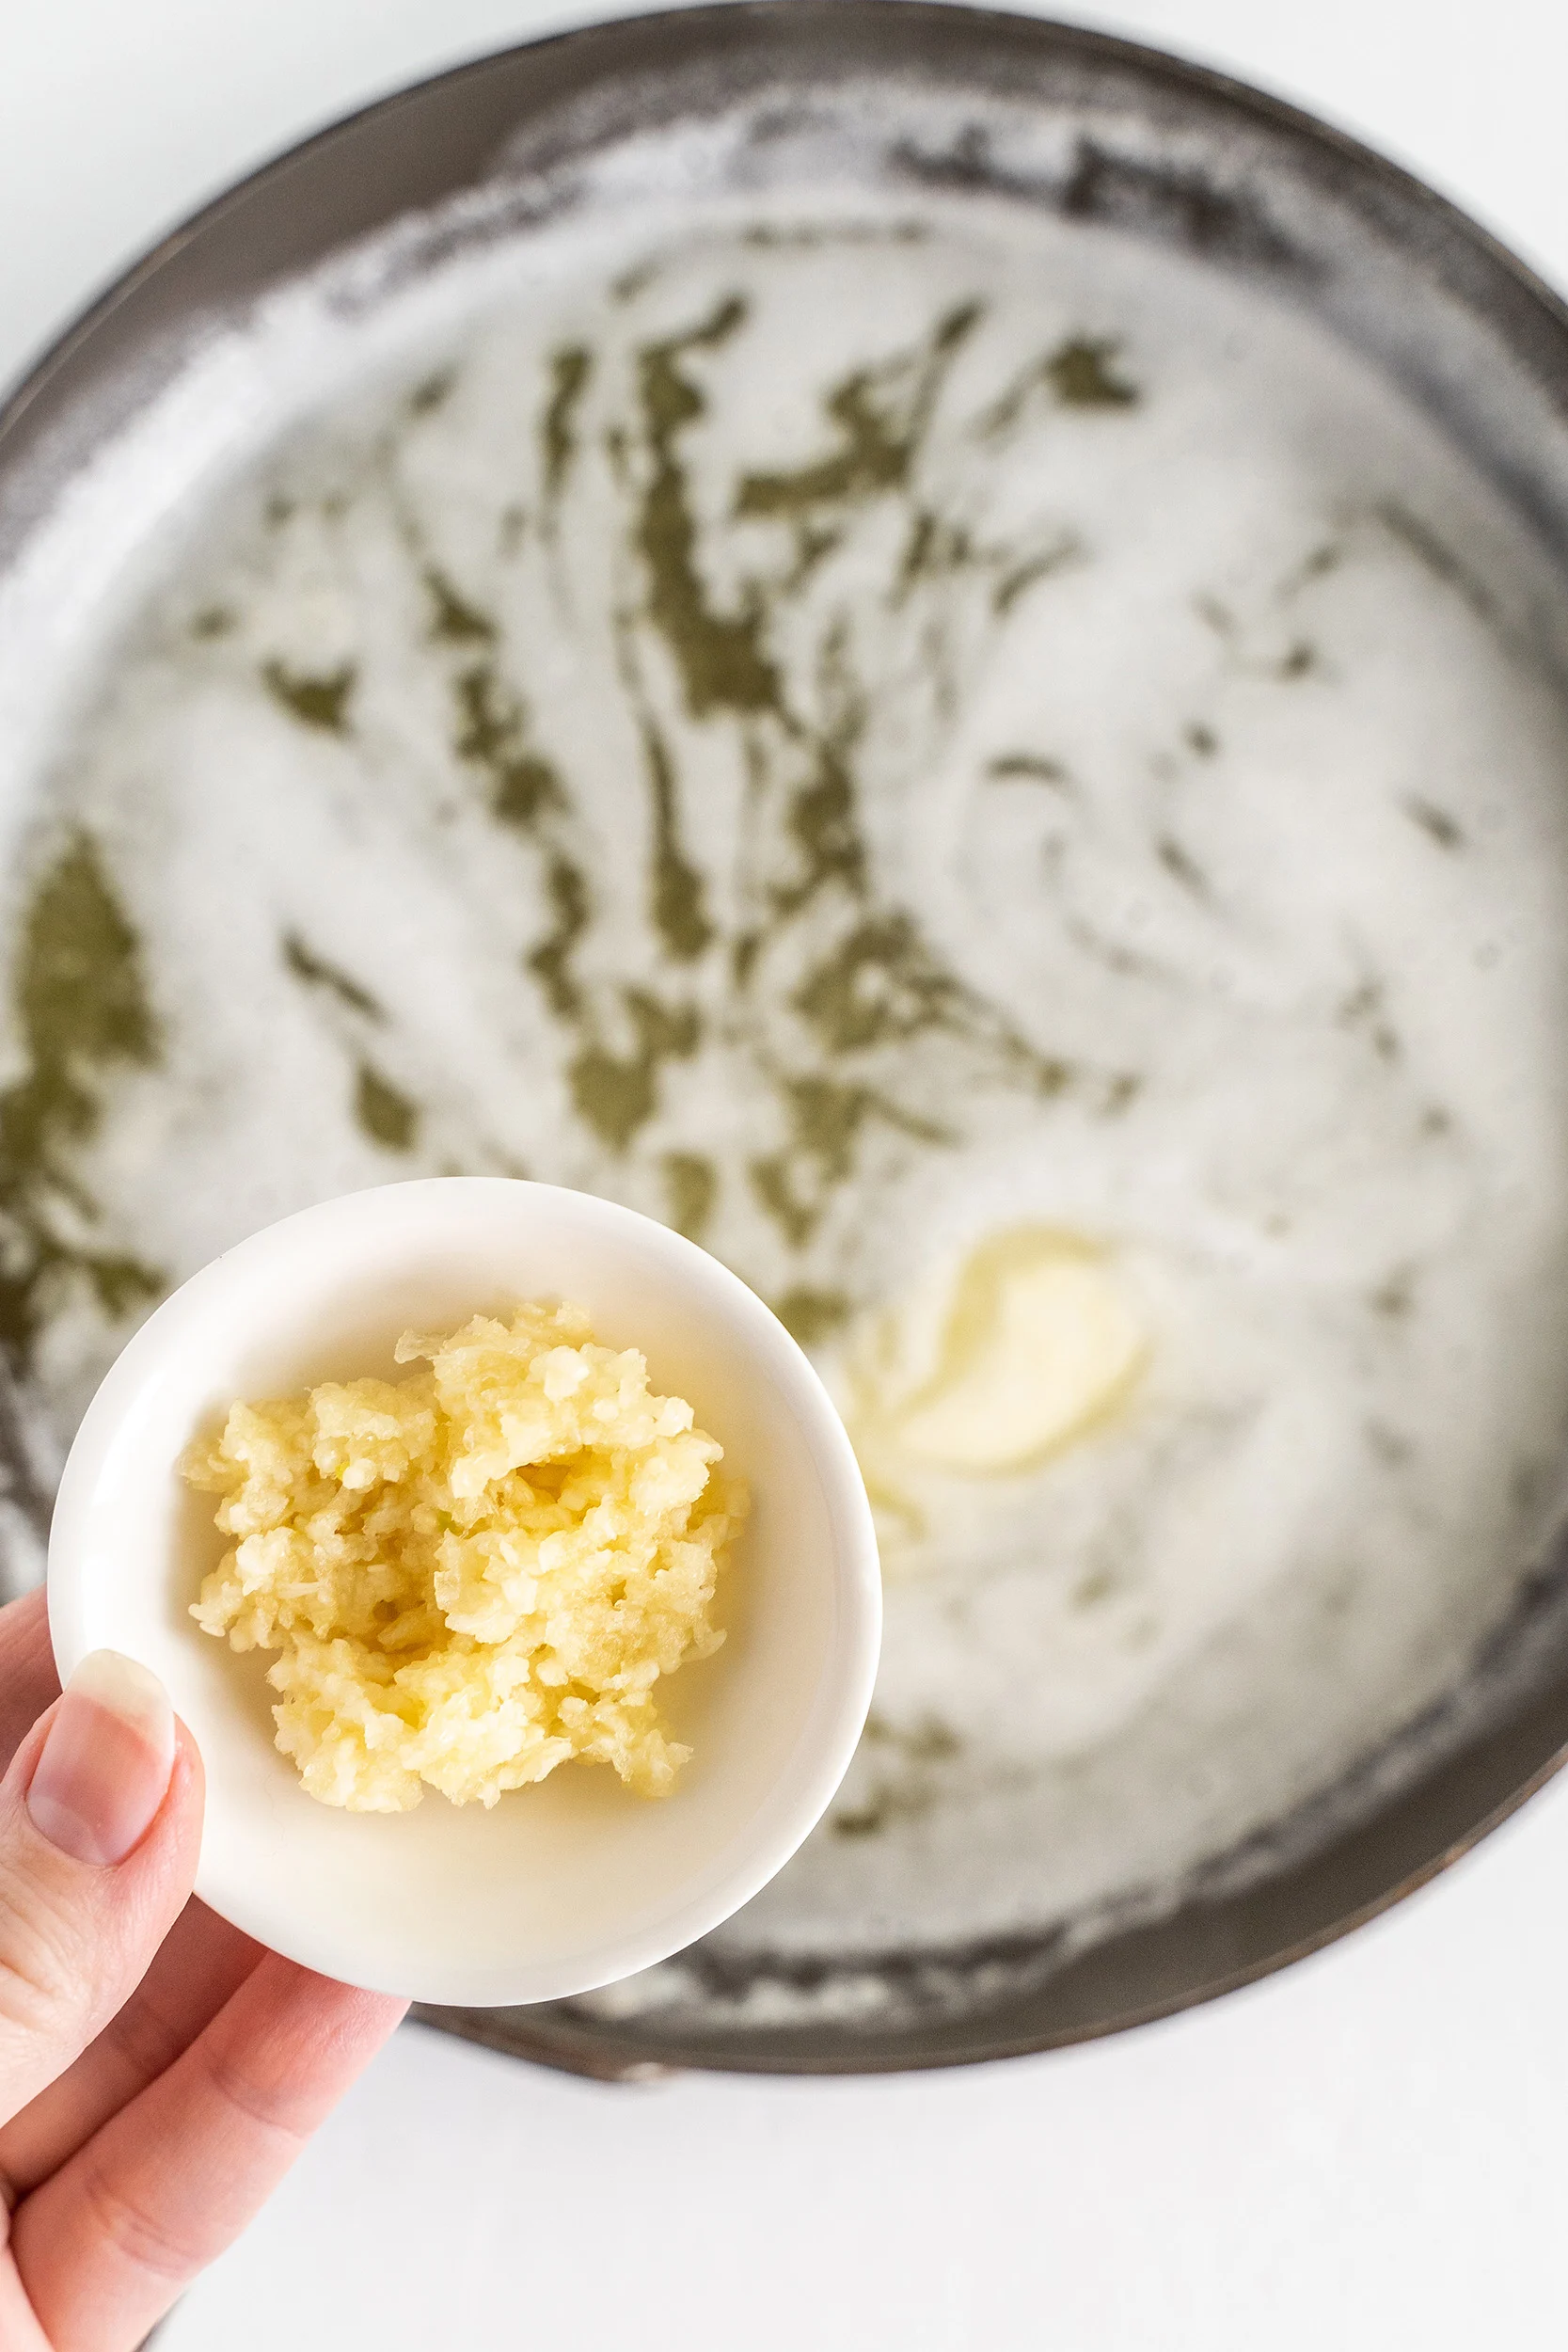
100	1825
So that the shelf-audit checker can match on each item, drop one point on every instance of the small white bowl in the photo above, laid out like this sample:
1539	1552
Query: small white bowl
573	1882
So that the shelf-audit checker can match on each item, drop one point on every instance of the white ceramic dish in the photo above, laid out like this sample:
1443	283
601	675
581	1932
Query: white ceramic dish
575	1882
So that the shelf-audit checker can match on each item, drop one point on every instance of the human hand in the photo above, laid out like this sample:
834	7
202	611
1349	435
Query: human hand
159	2071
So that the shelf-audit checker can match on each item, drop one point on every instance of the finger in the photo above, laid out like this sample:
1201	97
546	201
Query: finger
27	1677
200	1962
100	1825
106	2245
19	2327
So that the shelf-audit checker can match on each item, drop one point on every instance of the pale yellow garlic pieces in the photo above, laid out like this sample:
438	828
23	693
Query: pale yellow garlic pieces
475	1573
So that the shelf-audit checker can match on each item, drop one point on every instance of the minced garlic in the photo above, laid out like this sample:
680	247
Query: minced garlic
473	1573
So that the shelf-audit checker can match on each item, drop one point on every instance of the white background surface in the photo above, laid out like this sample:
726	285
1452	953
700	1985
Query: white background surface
1369	2151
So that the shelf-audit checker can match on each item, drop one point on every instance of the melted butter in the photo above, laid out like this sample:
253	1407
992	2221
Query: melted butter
1038	1343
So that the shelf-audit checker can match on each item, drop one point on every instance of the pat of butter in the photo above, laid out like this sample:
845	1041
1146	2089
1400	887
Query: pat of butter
1039	1340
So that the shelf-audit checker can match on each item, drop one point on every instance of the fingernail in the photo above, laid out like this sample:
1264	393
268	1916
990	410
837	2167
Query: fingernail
105	1764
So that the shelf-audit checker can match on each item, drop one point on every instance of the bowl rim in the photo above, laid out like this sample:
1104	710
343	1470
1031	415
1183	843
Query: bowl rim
841	1679
1469	1799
